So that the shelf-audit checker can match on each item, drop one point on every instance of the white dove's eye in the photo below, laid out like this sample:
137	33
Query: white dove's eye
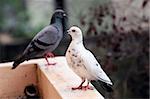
73	30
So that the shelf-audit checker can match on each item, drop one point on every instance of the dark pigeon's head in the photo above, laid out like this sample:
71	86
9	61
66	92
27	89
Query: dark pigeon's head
61	15
58	14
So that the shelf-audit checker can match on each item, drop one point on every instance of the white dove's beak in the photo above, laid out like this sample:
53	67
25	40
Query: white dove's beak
68	31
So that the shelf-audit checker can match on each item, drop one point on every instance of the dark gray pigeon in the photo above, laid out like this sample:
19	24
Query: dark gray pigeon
46	40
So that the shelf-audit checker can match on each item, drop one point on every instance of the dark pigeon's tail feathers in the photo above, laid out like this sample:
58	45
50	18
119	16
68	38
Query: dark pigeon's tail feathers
18	61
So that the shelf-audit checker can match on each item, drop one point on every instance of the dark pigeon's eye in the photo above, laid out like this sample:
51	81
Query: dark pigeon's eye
73	30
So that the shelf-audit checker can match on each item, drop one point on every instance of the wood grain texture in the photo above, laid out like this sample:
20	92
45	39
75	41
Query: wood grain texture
54	82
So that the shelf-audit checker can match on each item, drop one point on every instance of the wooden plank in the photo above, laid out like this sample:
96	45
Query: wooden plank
54	82
63	79
46	89
13	82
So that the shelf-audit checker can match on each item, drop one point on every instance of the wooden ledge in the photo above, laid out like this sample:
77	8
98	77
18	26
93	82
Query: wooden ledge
55	82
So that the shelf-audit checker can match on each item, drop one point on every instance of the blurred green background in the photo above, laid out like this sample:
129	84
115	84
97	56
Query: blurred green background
116	31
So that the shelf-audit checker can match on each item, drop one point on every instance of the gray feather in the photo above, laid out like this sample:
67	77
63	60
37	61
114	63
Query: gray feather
45	41
49	36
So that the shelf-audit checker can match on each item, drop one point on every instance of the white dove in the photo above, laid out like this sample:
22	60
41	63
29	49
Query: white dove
83	62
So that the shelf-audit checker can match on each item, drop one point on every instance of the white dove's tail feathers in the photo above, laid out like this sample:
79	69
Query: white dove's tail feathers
18	61
105	80
107	87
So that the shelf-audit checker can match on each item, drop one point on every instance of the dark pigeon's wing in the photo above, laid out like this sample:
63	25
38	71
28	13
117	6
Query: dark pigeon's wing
46	37
41	42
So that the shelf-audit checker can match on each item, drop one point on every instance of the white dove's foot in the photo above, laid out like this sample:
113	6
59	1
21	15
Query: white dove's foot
80	87
83	88
77	88
50	64
87	87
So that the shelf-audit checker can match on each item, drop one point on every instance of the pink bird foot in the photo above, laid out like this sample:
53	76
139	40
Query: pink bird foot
77	88
80	86
47	55
87	87
83	87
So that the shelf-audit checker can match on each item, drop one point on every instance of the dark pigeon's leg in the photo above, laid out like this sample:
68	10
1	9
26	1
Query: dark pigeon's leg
80	86
47	55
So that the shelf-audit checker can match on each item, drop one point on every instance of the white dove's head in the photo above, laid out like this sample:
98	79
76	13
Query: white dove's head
75	32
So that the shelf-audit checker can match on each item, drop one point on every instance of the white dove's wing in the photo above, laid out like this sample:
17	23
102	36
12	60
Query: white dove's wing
93	67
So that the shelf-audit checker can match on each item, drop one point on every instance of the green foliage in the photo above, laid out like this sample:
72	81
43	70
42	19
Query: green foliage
14	19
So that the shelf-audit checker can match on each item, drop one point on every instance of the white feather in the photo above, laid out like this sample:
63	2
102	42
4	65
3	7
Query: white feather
82	61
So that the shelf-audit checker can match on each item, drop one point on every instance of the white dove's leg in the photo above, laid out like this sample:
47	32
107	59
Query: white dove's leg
87	87
80	86
47	55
